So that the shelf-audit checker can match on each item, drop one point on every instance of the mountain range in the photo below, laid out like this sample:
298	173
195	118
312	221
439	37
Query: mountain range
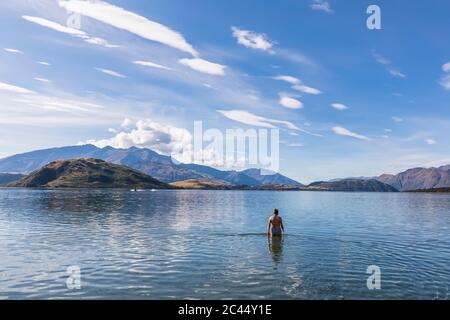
159	166
418	178
165	169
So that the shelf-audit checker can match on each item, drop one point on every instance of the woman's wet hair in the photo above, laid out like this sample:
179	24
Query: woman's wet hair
275	211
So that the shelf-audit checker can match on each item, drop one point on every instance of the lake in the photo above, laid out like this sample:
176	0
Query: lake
213	244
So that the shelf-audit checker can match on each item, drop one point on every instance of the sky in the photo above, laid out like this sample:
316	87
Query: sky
348	101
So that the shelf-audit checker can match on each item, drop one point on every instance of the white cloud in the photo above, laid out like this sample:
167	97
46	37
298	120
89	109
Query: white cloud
295	57
11	50
112	130
397	119
251	39
57	104
296	145
339	106
164	139
70	31
151	65
381	59
251	119
288	79
445	82
384	61
247	118
321	5
204	66
129	21
111	73
396	73
430	141
126	123
42	80
446	67
290	103
306	89
14	89
43	63
345	132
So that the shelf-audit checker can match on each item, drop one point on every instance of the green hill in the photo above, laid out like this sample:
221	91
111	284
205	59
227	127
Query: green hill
87	173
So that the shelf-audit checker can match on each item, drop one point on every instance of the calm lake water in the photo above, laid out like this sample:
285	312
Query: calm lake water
212	244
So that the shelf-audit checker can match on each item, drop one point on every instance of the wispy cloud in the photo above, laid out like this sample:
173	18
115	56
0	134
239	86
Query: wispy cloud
12	50
251	119
321	5
430	141
42	80
446	67
111	72
306	89
296	145
381	59
386	62
253	40
339	106
445	80
44	63
151	65
289	102
70	31
397	119
57	104
396	73
129	21
14	89
288	79
204	66
345	132
296	57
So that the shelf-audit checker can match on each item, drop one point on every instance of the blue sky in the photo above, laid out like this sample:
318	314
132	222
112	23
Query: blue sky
348	101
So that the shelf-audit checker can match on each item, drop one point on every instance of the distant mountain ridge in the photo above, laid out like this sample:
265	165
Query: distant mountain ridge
419	178
9	177
147	161
352	185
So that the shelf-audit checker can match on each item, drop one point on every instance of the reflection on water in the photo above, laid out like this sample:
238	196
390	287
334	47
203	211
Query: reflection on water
276	247
212	244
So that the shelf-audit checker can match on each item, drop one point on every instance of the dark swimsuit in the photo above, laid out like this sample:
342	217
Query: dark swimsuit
276	231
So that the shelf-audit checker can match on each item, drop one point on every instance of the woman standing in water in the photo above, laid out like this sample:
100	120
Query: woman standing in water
275	225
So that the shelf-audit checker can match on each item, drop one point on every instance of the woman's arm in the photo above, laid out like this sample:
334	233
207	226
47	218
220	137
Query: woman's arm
268	225
282	226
